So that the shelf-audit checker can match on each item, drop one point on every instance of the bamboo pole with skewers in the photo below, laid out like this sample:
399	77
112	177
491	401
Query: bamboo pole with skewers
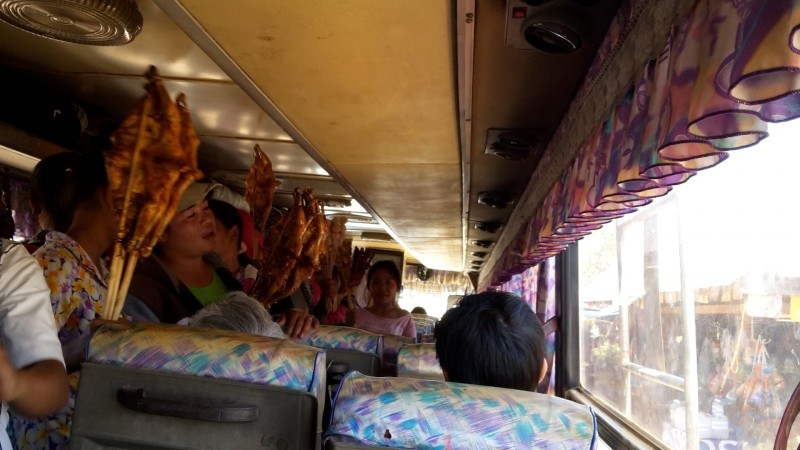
117	261
152	163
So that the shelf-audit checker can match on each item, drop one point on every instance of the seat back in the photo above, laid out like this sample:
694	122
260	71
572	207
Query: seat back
349	347
419	361
169	386
391	347
425	325
410	413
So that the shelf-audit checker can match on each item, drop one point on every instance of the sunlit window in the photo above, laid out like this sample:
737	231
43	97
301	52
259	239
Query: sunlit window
690	307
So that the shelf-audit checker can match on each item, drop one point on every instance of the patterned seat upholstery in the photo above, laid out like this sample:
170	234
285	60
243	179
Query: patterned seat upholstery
357	349
419	361
210	353
170	386
392	344
425	325
343	338
410	413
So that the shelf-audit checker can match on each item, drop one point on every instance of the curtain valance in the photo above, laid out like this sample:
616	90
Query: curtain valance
728	69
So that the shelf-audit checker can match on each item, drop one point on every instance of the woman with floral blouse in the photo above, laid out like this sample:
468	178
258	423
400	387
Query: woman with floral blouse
76	275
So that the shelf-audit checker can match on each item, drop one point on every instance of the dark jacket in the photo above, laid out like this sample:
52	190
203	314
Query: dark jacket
157	295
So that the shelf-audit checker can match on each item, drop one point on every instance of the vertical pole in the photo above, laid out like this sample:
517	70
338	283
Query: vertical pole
690	382
624	325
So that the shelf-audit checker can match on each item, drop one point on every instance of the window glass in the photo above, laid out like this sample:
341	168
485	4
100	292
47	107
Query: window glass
701	289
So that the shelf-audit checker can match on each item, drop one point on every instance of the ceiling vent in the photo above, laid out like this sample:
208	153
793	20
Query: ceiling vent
513	145
497	199
483	243
476	262
91	22
536	25
479	254
488	227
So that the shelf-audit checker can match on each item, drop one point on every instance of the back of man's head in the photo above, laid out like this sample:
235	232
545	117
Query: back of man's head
492	339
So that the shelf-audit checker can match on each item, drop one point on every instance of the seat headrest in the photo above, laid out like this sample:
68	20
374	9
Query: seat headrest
418	359
210	353
343	338
424	324
411	413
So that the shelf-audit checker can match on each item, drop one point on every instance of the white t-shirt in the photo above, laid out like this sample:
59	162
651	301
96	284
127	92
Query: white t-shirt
27	324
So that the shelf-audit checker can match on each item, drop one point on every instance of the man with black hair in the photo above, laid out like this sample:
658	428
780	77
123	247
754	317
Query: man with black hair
492	339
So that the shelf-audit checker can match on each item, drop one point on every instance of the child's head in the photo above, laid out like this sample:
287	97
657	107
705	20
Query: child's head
492	339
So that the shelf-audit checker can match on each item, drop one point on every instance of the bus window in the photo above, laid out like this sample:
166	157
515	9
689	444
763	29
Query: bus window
690	308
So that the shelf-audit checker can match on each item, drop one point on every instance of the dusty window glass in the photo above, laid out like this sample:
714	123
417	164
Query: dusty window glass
701	289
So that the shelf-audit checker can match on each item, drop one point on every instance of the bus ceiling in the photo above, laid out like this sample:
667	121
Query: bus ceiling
430	114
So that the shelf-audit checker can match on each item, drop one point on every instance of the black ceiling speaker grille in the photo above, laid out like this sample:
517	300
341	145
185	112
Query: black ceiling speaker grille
91	22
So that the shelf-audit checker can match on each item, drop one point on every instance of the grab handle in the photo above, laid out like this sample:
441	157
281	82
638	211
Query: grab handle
138	400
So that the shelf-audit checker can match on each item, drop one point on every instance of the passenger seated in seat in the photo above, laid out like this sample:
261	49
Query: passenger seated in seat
238	312
492	339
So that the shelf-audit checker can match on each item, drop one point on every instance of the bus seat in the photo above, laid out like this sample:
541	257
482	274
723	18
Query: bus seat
425	325
351	348
169	386
410	413
391	346
419	361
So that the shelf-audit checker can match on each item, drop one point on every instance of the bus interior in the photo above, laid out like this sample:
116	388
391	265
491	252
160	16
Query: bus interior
462	135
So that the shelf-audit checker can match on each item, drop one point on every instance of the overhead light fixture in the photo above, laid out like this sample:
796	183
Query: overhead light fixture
488	227
90	22
497	199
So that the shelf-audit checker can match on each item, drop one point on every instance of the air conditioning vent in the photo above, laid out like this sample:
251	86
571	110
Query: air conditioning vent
90	22
550	27
483	243
551	36
513	145
488	227
497	199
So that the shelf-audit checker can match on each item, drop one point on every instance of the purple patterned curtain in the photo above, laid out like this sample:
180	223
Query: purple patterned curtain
537	286
728	68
